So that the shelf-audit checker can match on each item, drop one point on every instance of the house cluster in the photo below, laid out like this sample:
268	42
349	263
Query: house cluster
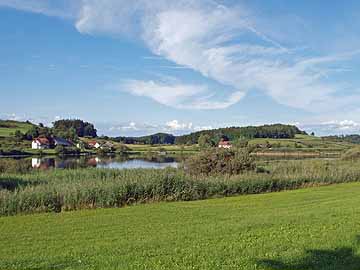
46	143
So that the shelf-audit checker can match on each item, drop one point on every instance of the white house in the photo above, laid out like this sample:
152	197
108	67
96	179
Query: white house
40	143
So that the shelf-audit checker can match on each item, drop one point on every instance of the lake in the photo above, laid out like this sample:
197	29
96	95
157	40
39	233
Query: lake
101	162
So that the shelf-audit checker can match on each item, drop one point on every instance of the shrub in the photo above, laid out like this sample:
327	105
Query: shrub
220	161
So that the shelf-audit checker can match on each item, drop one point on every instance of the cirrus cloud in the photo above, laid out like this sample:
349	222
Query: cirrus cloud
219	42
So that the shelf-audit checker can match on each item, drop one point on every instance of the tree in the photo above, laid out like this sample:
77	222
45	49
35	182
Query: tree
82	129
205	141
18	135
32	133
220	161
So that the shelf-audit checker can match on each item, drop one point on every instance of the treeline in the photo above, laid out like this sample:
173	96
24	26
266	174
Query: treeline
70	129
81	128
275	131
158	138
353	138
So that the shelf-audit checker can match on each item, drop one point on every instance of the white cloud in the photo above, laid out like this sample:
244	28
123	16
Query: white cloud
176	125
132	128
333	127
183	96
207	37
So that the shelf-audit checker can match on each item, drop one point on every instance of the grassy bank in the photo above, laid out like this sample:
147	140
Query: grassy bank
64	190
311	229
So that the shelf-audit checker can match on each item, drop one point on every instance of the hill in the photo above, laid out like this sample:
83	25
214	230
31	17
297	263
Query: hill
9	127
275	131
158	138
305	229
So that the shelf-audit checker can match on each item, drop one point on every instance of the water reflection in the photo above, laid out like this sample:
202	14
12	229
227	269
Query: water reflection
102	162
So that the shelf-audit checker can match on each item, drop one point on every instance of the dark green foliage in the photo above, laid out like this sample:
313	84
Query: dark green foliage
18	135
35	132
220	162
158	138
77	126
276	131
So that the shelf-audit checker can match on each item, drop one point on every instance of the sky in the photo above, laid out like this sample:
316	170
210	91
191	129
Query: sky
139	67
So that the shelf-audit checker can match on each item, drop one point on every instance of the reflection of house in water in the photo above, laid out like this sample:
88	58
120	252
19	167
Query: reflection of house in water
35	162
42	163
93	161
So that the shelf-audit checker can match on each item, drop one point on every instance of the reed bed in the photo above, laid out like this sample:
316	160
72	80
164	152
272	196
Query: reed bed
66	190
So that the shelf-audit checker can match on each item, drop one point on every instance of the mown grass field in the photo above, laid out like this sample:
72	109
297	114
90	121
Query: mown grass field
304	143
309	229
8	127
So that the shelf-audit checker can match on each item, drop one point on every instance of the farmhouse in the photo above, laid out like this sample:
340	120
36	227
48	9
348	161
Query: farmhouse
224	144
94	144
40	143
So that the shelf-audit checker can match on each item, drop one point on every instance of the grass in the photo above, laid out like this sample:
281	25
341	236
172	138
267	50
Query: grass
65	190
304	143
310	229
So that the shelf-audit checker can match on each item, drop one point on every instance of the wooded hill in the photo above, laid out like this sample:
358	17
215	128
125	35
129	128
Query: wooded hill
275	131
158	138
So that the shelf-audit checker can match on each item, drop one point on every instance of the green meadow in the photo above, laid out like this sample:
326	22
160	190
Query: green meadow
308	229
8	127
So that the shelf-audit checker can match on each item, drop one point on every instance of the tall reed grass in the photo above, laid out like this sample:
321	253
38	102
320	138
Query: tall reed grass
66	190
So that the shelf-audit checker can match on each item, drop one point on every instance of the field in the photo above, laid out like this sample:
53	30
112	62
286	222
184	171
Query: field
303	144
309	229
8	127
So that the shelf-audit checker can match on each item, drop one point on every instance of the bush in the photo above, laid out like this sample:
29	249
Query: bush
220	161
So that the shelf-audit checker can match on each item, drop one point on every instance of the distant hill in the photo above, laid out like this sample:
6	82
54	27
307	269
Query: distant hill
275	131
158	138
9	127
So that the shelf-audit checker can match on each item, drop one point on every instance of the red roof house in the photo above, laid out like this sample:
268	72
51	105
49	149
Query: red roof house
224	144
40	143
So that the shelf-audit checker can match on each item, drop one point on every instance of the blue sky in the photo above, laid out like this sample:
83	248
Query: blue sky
139	67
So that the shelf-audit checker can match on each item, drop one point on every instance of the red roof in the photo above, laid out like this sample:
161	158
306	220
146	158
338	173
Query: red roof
42	140
92	143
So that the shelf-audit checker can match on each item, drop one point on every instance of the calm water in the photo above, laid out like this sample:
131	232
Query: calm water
102	162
